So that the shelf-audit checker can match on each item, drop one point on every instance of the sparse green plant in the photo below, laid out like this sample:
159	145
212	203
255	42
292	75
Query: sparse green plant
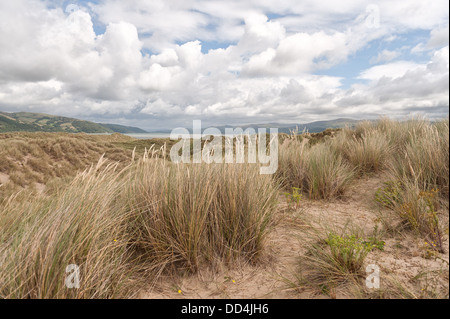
374	241
295	197
389	195
349	252
334	259
419	209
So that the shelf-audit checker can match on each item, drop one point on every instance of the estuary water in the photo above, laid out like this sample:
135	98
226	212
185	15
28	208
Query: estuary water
147	136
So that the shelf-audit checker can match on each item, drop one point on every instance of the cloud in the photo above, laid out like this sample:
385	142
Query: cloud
401	87
299	53
438	37
260	34
150	68
390	70
52	45
385	56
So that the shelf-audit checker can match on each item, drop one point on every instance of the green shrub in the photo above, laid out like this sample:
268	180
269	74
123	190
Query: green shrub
334	259
348	252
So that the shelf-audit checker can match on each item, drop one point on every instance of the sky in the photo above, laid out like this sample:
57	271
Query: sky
162	64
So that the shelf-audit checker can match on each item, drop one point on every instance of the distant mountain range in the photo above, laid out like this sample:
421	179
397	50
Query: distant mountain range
313	127
37	122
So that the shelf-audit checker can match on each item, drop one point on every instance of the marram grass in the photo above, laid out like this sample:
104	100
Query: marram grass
149	218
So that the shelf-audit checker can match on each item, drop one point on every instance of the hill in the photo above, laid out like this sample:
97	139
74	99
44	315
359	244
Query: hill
37	122
313	127
123	129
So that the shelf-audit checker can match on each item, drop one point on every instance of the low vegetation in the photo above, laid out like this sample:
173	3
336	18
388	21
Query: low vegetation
146	219
318	170
334	259
83	224
134	215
